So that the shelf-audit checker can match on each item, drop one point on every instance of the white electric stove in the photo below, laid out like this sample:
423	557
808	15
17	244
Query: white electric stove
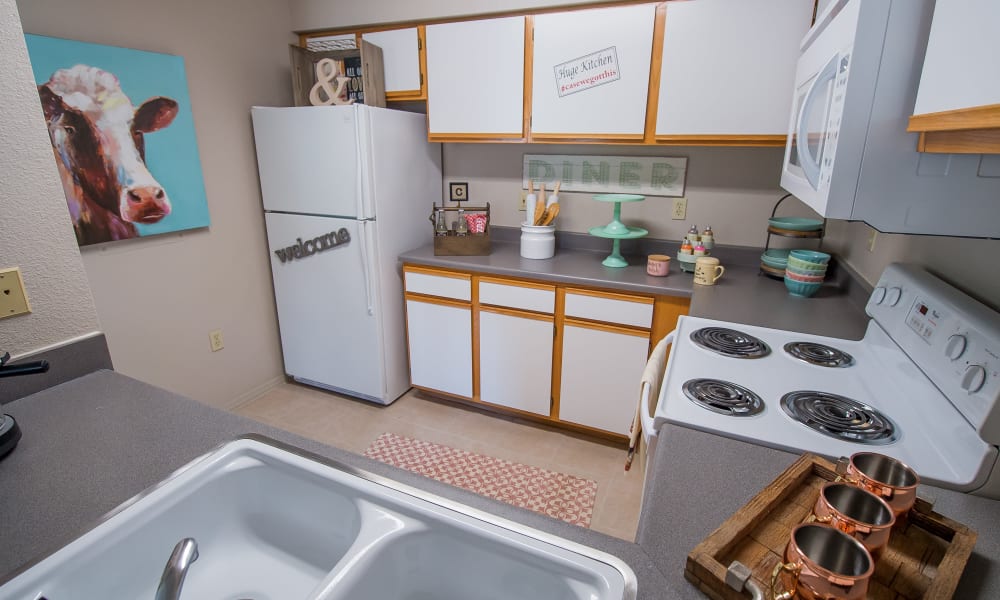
922	386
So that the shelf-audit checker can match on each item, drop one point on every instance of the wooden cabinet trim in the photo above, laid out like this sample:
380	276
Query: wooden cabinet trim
610	295
655	66
976	117
515	312
422	54
475	137
635	138
408	268
475	344
601	326
973	141
557	350
529	73
416	297
752	140
517	282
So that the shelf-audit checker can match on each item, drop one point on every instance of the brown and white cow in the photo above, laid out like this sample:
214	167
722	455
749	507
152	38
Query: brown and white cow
97	138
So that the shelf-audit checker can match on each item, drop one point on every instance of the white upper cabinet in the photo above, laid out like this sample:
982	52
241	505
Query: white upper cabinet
590	73
401	60
475	79
728	68
958	102
960	67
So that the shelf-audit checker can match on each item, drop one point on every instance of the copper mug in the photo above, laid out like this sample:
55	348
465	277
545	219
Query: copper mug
857	512
883	476
822	562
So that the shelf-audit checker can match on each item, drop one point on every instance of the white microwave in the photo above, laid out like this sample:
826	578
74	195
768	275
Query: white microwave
848	154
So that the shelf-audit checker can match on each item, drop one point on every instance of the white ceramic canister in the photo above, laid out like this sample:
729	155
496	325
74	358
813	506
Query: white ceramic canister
538	241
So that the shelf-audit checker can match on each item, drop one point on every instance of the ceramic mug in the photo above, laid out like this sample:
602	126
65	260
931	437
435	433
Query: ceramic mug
658	265
821	563
857	512
884	476
707	270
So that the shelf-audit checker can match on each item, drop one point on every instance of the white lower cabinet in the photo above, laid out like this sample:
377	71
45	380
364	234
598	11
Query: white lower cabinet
515	361
601	370
440	346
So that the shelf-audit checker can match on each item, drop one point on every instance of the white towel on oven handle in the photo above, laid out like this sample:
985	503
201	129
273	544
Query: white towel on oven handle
649	391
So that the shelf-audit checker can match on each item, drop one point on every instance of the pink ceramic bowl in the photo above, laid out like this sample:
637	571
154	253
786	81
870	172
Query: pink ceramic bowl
804	278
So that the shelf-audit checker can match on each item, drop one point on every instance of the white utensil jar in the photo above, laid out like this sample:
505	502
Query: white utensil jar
538	241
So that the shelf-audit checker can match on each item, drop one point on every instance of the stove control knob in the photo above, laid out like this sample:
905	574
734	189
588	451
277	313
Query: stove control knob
956	346
974	378
878	295
893	296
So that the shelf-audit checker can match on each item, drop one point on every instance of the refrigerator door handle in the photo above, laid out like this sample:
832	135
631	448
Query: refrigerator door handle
366	265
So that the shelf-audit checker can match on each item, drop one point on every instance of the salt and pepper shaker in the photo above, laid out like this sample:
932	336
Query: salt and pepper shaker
708	238
692	234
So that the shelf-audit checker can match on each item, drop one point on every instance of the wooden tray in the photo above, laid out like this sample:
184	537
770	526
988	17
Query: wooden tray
923	560
472	244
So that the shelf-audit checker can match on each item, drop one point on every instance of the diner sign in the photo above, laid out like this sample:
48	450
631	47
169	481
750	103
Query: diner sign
646	175
585	72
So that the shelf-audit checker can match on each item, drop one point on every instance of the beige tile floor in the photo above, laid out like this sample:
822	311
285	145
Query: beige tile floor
353	425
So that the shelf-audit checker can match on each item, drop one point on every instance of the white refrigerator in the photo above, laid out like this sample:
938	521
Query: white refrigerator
346	189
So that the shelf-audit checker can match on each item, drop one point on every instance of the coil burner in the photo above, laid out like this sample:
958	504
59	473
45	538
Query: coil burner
819	354
723	397
839	417
729	342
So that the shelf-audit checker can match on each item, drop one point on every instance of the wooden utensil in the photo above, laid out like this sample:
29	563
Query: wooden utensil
539	207
550	214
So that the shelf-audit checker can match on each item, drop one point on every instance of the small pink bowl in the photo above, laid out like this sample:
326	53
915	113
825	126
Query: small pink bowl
804	278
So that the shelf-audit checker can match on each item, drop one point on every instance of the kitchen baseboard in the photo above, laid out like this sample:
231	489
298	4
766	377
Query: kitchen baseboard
254	393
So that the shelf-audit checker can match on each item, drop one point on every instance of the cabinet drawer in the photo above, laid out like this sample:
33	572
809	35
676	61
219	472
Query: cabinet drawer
455	286
634	311
537	298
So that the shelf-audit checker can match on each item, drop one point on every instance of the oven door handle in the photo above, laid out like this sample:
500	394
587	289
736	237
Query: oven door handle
651	382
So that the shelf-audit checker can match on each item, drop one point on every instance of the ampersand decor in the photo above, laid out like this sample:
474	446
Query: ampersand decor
326	72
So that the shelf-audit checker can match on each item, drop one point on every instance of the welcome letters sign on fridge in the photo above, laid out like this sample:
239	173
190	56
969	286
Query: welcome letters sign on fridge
646	175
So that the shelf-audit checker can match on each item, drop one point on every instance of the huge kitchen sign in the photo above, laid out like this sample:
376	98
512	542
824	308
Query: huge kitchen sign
592	70
646	175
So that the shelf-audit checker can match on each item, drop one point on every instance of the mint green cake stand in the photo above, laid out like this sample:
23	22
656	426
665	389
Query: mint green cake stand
616	230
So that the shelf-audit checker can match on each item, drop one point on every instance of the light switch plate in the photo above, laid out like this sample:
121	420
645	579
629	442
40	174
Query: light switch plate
680	208
13	300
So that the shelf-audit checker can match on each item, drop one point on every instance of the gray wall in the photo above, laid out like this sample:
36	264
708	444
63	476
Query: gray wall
35	230
159	297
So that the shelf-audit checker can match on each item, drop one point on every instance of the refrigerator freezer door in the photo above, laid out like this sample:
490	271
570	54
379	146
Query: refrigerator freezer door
329	337
309	159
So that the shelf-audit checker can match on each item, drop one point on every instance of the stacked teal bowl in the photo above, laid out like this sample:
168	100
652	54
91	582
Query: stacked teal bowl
805	271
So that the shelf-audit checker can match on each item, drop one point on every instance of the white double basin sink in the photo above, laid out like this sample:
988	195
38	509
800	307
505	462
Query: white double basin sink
274	523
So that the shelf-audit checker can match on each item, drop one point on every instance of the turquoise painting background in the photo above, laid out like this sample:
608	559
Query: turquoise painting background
172	152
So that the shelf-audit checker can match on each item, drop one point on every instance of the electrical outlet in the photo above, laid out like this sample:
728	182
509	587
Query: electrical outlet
215	339
13	300
523	206
680	209
871	240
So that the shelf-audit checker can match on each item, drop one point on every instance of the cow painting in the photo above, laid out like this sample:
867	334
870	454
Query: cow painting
98	139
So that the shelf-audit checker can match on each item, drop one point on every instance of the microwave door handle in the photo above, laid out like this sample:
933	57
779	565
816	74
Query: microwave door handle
810	166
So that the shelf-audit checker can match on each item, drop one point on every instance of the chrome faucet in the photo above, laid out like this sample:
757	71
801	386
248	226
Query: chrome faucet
172	580
6	370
